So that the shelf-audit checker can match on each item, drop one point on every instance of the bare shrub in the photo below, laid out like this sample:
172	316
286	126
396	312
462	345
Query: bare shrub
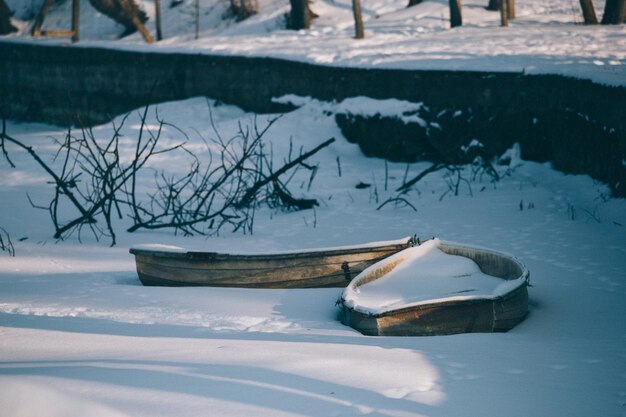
98	187
6	245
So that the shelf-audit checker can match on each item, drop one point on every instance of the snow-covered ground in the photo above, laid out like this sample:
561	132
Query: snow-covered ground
79	335
546	37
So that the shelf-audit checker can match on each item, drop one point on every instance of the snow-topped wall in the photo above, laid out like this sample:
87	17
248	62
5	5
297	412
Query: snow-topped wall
67	84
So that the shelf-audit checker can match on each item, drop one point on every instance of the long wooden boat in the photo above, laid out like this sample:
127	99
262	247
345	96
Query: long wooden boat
332	267
458	312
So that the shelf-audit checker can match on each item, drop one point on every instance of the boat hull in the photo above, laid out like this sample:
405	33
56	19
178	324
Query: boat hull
497	314
313	269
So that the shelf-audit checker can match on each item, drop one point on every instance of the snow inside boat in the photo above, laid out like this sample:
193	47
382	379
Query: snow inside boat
438	288
332	267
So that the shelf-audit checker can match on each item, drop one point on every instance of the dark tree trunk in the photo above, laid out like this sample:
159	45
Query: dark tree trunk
300	15
5	19
589	13
359	32
157	16
456	18
509	7
75	20
493	6
126	13
197	19
414	2
614	12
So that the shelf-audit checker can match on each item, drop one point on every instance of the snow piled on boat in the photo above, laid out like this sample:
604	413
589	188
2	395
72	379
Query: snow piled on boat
157	247
423	275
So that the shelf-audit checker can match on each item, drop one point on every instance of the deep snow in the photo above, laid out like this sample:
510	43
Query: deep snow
81	336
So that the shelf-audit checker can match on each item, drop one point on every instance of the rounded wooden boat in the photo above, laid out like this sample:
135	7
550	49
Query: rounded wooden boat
448	315
332	267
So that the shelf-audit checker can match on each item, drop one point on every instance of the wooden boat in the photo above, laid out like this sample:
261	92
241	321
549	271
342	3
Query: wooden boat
457	312
333	267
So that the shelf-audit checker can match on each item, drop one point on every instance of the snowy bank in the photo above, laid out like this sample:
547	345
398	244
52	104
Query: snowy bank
79	333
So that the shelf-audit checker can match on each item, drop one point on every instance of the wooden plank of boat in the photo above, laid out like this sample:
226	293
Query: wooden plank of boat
460	313
333	267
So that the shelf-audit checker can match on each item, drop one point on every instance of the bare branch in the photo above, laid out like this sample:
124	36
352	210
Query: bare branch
92	178
249	195
6	245
433	168
396	201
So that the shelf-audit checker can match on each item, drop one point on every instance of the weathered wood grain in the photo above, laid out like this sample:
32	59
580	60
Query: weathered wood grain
452	316
322	268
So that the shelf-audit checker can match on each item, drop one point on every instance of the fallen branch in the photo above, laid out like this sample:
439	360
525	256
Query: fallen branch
433	168
251	193
288	201
396	200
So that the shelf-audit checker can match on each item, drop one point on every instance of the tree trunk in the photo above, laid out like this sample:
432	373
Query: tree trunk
300	15
456	18
75	20
414	2
614	12
504	12
494	5
511	9
589	13
157	16
126	13
243	9
197	19
5	19
250	8
359	32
